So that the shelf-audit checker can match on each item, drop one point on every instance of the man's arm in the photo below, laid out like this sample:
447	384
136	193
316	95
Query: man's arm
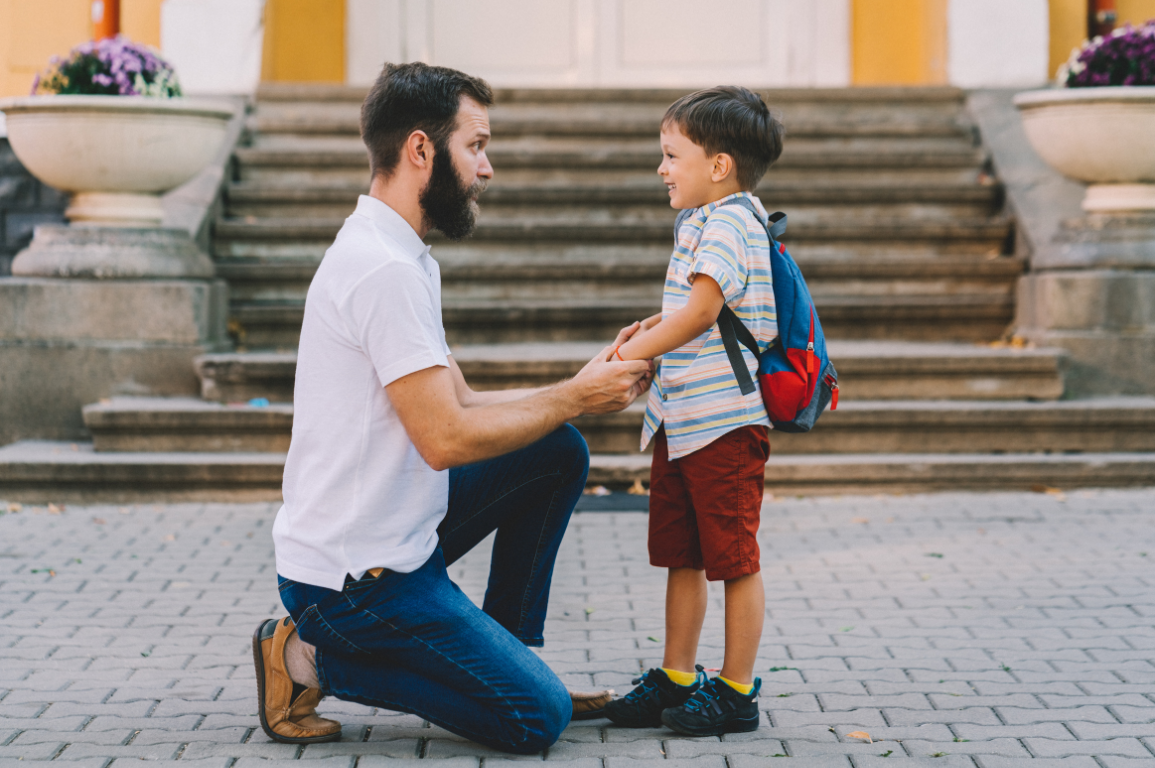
472	399
448	433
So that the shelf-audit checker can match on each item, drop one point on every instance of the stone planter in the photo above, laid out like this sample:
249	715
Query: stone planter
116	154
1104	137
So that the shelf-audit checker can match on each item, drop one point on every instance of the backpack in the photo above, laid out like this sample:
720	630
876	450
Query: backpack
797	378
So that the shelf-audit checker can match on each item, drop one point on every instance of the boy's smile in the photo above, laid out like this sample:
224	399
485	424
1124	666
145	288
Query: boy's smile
692	178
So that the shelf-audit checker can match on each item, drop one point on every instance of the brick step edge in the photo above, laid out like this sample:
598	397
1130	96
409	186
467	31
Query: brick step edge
40	472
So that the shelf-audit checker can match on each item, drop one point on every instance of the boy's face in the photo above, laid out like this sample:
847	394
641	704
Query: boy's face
692	177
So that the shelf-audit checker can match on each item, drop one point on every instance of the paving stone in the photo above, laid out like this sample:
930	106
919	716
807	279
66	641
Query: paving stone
1078	761
681	748
1005	747
1121	746
713	761
894	761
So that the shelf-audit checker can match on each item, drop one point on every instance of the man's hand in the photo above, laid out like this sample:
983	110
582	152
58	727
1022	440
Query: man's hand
607	385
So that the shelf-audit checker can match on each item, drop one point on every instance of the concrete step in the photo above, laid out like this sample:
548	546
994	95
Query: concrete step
34	472
332	160
624	225
858	426
615	118
944	97
637	273
917	473
952	317
936	427
912	201
41	472
867	370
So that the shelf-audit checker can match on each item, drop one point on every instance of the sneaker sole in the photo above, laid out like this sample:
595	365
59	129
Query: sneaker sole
736	726
259	663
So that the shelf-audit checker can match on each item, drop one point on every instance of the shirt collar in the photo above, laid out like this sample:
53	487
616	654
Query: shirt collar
390	223
709	208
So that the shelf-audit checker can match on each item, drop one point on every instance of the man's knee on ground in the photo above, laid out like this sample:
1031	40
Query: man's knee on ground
541	728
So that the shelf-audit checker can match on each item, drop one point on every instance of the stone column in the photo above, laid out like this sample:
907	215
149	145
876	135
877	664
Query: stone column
1091	290
92	312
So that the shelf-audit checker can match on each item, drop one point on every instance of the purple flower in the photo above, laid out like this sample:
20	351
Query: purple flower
1126	57
111	66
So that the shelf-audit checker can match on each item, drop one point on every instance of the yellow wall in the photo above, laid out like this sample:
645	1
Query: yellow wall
140	21
304	41
898	42
32	31
1069	24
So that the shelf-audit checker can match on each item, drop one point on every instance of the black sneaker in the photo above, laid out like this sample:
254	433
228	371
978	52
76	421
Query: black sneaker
714	709
642	707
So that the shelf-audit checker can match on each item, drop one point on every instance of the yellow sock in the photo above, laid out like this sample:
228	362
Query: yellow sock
739	687
681	678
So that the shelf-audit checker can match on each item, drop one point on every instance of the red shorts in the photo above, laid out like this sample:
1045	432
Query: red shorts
705	507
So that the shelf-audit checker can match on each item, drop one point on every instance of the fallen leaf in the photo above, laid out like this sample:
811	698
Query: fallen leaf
712	669
590	610
782	669
14	507
887	753
224	543
637	489
785	695
170	537
845	629
125	511
75	447
860	520
860	735
597	490
55	510
653	639
99	520
939	555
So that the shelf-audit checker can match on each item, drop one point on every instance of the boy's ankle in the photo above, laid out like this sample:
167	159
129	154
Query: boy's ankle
678	677
742	688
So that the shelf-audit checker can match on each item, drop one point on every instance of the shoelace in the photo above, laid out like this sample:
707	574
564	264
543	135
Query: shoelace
702	697
647	688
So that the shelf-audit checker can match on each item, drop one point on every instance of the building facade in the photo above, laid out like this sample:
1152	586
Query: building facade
223	46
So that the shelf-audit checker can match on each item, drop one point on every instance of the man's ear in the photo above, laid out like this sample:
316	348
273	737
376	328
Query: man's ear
723	167
419	150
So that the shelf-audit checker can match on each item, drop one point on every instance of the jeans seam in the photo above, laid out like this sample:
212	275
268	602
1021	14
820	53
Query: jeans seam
533	566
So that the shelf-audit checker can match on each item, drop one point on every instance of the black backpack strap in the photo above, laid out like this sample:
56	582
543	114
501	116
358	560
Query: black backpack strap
734	331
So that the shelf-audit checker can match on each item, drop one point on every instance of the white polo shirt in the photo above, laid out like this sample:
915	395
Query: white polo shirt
357	493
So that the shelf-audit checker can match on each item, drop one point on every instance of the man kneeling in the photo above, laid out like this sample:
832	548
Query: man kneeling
397	468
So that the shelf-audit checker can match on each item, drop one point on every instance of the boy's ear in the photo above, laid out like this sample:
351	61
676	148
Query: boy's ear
723	167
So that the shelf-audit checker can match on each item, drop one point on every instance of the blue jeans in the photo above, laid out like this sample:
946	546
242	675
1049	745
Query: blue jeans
413	642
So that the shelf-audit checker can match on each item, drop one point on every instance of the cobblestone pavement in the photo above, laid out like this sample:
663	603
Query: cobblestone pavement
989	630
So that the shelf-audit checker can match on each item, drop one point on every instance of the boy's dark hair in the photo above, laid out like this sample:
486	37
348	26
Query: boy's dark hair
732	120
414	97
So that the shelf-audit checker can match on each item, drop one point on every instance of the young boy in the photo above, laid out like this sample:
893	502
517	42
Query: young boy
710	441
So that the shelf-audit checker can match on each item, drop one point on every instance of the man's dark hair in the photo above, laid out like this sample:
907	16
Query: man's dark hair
414	97
731	120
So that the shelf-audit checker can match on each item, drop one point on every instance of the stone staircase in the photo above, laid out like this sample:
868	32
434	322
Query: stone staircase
895	218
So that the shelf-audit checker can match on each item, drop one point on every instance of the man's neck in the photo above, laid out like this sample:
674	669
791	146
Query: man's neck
399	197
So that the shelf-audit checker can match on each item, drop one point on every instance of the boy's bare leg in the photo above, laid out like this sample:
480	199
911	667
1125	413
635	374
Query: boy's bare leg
745	612
685	612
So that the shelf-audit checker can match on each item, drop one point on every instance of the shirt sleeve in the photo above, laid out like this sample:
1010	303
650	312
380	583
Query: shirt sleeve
392	314
721	254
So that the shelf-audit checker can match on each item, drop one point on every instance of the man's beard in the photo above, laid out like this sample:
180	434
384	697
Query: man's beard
447	203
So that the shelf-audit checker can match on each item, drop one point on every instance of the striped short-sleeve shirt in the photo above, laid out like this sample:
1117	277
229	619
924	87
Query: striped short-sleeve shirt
695	393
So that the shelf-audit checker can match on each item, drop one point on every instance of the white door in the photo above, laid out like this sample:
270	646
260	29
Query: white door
608	43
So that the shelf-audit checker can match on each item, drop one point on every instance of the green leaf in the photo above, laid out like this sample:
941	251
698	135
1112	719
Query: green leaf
934	554
783	669
654	639
887	753
785	695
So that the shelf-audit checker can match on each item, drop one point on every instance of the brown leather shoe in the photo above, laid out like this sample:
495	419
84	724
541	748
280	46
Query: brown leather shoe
284	718
589	706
